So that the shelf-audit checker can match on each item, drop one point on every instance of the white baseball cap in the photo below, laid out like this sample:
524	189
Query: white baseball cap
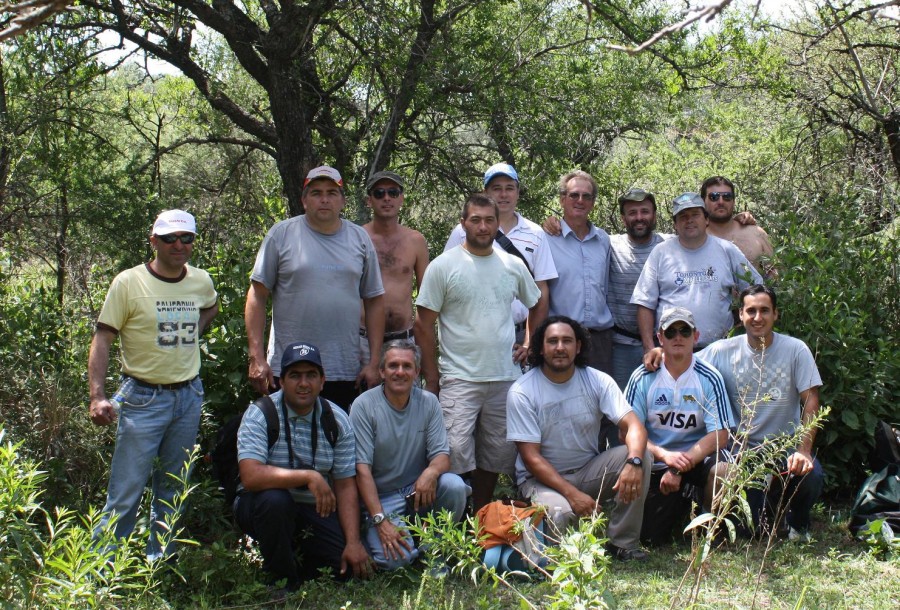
173	221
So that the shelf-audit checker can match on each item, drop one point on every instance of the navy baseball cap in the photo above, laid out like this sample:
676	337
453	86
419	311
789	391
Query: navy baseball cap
500	169
301	352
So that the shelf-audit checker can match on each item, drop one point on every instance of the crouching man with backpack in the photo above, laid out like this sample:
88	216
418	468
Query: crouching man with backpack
402	456
307	480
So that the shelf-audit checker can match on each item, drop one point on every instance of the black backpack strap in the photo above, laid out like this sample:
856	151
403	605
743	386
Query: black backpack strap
273	426
508	246
329	423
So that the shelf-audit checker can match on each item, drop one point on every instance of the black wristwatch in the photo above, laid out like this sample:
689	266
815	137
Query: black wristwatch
674	471
635	461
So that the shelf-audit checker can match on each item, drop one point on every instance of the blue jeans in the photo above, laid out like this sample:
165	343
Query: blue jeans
157	431
625	358
451	495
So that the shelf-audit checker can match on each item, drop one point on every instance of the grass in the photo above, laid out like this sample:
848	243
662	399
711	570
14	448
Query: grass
833	571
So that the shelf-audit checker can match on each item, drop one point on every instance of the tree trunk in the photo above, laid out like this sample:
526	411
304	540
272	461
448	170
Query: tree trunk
4	135
891	126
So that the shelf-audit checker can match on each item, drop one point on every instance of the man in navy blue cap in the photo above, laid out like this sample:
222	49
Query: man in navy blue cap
304	481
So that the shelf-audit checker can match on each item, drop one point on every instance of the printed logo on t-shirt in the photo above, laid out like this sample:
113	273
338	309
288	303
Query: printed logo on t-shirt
701	276
176	322
673	419
662	401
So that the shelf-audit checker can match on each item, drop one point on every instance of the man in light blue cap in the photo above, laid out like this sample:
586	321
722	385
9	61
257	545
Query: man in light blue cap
696	271
521	238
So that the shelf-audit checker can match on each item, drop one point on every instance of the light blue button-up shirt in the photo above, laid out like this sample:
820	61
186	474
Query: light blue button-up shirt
583	283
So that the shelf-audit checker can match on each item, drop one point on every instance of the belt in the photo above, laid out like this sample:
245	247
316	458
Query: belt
626	333
397	334
520	326
161	386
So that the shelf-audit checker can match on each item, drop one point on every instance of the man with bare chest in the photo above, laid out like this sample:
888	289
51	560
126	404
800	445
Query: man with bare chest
402	256
718	197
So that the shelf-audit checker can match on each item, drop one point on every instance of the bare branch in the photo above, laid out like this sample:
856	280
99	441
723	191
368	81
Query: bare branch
29	14
692	15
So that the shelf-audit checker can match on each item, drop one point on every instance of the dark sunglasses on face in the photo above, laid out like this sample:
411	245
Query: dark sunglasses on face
684	331
171	238
724	196
380	193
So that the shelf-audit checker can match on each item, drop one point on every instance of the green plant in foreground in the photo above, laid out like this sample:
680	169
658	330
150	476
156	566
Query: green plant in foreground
880	539
751	469
575	573
61	559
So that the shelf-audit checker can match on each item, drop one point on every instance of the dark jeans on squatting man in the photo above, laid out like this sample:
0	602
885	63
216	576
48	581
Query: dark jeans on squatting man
274	520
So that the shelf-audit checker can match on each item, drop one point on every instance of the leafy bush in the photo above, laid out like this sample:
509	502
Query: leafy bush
839	294
51	559
43	400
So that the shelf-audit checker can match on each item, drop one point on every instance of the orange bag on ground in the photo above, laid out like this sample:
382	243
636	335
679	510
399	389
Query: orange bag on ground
504	521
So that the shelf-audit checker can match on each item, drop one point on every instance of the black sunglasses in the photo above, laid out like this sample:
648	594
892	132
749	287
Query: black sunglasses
171	238
380	193
724	196
684	331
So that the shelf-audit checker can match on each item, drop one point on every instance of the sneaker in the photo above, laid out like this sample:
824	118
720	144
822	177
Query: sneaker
799	536
620	554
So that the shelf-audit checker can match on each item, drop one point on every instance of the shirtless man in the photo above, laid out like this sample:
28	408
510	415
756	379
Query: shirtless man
402	254
718	196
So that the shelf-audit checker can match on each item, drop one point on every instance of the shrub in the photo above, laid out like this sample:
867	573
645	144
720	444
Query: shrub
839	294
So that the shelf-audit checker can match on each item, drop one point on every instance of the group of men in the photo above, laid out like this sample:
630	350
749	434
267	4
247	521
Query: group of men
585	311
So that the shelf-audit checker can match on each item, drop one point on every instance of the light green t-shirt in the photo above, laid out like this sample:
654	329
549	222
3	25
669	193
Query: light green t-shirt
472	295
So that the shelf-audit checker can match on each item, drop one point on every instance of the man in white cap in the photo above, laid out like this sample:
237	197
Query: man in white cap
402	257
684	406
159	309
521	238
316	267
696	271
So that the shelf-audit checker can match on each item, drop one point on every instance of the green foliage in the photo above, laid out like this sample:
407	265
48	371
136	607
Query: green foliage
880	538
53	560
575	574
839	295
579	568
752	468
43	352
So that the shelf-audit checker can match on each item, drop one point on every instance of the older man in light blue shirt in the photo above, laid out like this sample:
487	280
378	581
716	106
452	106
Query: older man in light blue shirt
581	255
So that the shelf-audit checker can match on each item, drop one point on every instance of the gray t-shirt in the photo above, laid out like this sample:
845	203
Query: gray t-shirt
564	418
765	382
473	295
397	444
704	280
626	261
317	281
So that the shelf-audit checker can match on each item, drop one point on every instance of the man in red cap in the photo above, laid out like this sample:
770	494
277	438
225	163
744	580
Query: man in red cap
316	267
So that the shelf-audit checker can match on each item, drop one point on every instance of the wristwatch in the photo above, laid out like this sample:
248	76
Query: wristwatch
635	461
377	518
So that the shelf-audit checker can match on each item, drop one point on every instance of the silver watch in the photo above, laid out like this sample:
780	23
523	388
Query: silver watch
377	518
